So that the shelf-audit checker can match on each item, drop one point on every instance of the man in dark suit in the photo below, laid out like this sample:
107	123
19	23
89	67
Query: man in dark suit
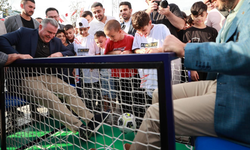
42	43
126	12
54	13
14	22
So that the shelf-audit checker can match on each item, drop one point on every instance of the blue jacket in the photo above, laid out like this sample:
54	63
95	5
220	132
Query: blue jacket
25	41
231	62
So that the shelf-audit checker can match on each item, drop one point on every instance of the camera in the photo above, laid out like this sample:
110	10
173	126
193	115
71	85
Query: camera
163	4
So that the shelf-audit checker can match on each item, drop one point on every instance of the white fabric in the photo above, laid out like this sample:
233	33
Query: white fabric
86	46
127	25
154	40
215	19
96	25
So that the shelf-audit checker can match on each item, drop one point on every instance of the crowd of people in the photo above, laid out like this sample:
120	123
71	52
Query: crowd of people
208	42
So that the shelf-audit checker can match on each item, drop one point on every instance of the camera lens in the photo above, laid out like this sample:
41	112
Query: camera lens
164	4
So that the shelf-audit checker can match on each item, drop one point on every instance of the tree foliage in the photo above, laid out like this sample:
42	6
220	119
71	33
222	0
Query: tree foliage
76	7
4	7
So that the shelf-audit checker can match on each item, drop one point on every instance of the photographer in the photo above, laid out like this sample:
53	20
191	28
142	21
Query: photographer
170	16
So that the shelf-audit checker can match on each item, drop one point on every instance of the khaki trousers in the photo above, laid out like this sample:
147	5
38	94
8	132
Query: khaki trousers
46	91
193	105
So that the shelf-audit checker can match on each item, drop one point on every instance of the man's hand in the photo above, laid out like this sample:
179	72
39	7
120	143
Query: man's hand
14	57
57	54
172	44
151	7
164	11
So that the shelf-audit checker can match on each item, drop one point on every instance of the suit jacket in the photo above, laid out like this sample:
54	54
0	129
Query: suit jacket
3	59
2	28
13	23
231	61
25	40
131	30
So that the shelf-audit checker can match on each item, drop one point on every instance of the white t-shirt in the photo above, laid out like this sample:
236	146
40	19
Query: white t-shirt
127	25
86	46
154	40
96	25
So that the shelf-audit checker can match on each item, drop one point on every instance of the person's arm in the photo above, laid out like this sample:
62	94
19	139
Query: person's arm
63	51
10	58
3	59
9	40
214	57
173	15
14	57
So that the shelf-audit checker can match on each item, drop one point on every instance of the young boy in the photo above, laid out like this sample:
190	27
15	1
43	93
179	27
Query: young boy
199	32
107	82
149	38
69	33
85	45
120	43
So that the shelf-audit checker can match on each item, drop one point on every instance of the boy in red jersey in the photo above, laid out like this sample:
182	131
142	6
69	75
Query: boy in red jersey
120	43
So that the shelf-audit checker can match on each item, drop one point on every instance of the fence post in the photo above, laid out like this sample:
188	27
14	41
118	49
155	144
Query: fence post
2	110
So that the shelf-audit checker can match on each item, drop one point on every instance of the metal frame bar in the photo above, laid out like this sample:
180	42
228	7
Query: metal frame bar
161	62
2	109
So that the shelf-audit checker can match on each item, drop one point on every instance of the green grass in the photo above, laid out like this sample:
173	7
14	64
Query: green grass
107	138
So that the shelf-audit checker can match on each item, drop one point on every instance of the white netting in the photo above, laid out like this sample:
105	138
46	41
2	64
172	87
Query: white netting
46	107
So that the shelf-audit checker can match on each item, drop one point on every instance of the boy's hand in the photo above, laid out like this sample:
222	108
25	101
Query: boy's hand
153	50
74	72
126	52
194	75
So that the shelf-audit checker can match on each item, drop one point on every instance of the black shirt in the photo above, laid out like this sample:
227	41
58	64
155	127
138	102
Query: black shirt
162	19
42	49
28	24
196	35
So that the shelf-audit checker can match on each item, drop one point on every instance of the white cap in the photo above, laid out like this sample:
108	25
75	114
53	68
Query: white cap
82	23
